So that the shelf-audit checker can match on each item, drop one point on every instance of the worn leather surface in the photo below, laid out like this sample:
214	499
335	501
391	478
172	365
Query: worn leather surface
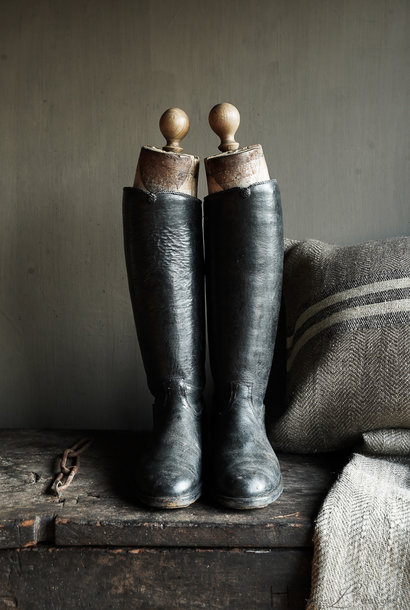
244	262
164	257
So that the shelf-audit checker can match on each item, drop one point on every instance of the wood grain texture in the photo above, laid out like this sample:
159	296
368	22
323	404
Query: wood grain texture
159	171
76	579
241	168
324	87
174	125
99	507
224	120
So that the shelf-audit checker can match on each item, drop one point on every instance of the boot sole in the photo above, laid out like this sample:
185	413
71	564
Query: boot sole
170	502
253	502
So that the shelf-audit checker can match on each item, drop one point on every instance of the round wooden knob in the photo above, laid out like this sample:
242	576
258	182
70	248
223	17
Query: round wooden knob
174	125
224	120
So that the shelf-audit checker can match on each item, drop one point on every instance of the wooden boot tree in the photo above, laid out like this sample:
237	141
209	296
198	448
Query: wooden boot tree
235	166
168	169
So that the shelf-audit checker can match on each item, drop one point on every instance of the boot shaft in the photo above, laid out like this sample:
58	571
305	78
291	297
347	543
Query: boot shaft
244	263
164	258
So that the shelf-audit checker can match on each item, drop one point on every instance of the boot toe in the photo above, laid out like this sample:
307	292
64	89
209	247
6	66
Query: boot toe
173	485
252	487
162	488
249	491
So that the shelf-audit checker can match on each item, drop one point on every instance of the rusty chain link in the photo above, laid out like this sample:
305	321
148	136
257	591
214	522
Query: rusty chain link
72	453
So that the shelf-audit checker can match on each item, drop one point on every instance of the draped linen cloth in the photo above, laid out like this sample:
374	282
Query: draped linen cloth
362	534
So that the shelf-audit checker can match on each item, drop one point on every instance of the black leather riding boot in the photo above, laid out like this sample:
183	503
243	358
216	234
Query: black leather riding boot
244	260
164	256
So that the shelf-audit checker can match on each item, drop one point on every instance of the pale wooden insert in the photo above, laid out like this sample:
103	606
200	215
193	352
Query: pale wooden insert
168	169
235	167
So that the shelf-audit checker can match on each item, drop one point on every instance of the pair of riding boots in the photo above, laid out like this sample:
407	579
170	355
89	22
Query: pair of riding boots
243	270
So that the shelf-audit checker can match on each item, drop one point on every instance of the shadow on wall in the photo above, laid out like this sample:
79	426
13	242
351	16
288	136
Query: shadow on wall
70	356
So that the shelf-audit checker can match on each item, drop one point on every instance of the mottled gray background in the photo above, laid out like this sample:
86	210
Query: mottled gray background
323	85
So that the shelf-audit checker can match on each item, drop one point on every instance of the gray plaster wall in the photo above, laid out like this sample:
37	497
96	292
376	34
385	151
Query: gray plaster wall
323	85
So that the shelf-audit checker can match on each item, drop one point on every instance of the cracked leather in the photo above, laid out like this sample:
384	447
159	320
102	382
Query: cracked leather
244	263
164	258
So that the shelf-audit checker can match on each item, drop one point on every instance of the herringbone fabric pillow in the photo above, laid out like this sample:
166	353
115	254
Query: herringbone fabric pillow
347	311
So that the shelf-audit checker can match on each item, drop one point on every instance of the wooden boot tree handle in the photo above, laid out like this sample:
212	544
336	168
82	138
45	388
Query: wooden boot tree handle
174	125
235	166
224	120
168	169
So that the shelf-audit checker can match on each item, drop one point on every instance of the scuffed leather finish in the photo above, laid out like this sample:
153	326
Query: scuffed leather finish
244	261
170	473
164	257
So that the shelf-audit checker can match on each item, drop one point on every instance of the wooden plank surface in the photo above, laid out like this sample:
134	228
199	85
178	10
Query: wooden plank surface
100	509
77	578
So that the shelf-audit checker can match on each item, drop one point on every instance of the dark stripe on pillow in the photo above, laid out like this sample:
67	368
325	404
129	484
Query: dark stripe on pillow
375	300
332	285
365	299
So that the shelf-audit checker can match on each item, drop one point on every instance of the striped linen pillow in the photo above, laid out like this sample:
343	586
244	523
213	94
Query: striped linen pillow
347	318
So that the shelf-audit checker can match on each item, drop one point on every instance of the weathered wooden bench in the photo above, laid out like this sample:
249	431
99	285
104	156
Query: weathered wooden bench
97	548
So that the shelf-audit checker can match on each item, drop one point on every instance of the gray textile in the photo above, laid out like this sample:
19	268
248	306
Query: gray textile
347	317
347	311
362	536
